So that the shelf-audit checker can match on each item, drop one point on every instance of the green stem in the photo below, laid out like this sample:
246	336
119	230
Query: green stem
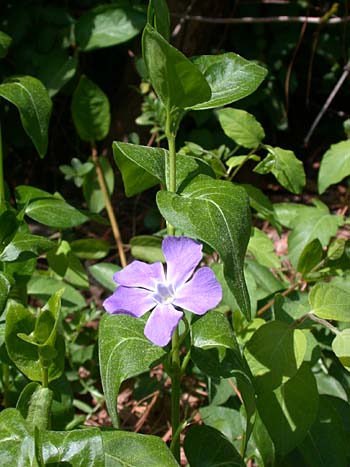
2	183
170	164
175	395
44	376
5	383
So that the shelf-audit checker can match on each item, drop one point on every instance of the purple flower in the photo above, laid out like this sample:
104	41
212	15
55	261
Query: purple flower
144	287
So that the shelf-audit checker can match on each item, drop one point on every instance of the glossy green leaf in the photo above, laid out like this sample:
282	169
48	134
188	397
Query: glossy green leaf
66	264
341	347
147	248
274	354
17	447
124	449
335	165
90	111
176	80
8	228
158	13
236	161
25	354
310	257
262	247
242	127
26	244
103	273
124	352
224	419
5	42
108	25
330	302
5	287
261	203
57	70
90	248
76	448
216	352
42	287
91	188
216	212
261	442
38	401
143	167
287	169
316	449
290	410
207	447
30	97
308	223
230	78
55	213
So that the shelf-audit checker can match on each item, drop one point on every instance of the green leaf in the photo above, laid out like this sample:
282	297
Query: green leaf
310	257
207	447
26	354
230	78
103	273
315	448
274	354
242	127
309	223
330	302
90	111
224	419
90	248
17	447
30	97
8	228
76	448
261	203
335	165
66	264
216	353
5	42
341	347
5	287
290	410
43	287
217	213
56	70
262	247
36	402
124	352
143	167
92	190
236	161
123	449
108	25
158	11
176	80
287	169
25	243
266	282
147	248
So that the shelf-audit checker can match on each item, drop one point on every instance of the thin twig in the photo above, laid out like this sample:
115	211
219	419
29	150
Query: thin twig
317	320
268	19
328	102
109	208
182	17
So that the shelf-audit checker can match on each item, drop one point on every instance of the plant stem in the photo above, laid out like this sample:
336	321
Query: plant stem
170	164
109	208
175	395
5	383
2	183
44	376
175	352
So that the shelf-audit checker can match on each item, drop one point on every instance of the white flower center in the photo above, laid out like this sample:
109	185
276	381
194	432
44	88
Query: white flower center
164	293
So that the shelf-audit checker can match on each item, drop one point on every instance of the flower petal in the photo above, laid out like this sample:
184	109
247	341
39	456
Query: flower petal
129	301
140	274
182	255
200	294
161	324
